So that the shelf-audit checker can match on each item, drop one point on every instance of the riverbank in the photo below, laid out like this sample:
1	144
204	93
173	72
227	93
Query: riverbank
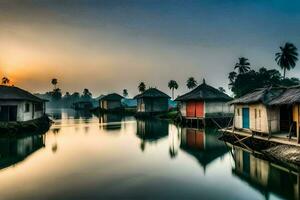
23	128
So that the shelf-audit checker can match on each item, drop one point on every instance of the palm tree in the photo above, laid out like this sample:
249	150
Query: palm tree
5	81
173	85
54	82
287	57
125	93
142	87
243	65
86	93
232	76
191	83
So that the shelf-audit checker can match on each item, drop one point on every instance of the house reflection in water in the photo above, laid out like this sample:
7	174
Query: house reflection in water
14	150
151	130
266	177
110	121
202	144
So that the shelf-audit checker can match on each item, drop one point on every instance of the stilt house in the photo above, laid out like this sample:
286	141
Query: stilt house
204	101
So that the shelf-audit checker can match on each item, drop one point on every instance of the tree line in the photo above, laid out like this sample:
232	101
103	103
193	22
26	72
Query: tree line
244	79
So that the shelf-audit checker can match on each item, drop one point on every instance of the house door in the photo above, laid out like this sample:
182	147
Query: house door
191	109
246	120
199	109
13	110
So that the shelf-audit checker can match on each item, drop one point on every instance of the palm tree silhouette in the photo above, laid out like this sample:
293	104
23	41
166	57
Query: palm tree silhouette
142	87
232	76
191	83
125	93
5	81
173	85
54	82
287	57
243	65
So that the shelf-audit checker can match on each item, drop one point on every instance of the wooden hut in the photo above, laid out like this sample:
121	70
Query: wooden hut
253	112
204	101
152	101
19	105
110	102
288	104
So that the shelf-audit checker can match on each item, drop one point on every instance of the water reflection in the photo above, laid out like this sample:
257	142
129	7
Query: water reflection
202	144
69	114
151	130
81	160
110	121
267	178
14	150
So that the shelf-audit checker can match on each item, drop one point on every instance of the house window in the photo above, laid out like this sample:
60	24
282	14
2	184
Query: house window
27	107
38	107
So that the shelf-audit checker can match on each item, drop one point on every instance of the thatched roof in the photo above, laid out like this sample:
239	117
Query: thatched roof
152	93
262	95
17	94
289	96
112	97
204	92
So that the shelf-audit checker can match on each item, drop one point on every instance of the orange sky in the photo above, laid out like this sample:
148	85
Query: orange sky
108	46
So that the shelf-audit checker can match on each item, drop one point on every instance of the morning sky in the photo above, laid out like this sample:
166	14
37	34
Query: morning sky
110	45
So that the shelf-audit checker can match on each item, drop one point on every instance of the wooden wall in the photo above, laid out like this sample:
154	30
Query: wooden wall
262	119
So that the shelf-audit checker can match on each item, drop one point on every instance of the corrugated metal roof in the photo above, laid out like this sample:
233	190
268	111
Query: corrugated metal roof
262	95
289	96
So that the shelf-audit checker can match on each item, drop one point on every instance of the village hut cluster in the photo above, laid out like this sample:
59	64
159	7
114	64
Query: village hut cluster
203	102
272	113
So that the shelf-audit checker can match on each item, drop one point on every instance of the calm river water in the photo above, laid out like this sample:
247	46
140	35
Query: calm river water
112	157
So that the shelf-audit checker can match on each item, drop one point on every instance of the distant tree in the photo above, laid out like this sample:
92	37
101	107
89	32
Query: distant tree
142	87
54	82
243	65
173	86
67	95
191	83
86	94
287	57
75	95
125	93
221	89
232	76
56	94
5	81
247	82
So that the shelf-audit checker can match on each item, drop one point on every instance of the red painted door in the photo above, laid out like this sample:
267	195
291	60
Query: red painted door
191	109
195	139
199	109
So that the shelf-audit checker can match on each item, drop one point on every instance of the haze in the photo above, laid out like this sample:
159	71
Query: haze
107	46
